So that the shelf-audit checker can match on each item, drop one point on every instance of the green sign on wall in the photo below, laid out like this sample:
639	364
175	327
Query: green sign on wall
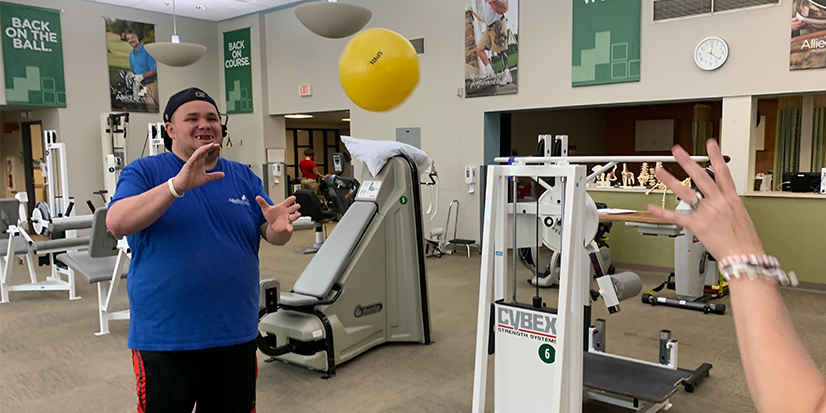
237	71
606	42
32	56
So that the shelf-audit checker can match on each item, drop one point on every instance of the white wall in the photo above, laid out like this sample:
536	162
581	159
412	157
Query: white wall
87	82
452	127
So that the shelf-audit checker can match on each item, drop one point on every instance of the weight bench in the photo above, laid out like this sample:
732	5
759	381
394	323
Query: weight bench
15	241
105	263
638	385
11	246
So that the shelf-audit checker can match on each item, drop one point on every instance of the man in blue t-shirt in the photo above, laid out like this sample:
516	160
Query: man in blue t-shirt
144	68
194	222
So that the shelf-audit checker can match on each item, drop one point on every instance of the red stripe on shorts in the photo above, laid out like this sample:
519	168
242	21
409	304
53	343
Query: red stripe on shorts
140	379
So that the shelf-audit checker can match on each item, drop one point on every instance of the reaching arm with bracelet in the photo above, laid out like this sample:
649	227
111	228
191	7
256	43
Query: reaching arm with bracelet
130	215
781	375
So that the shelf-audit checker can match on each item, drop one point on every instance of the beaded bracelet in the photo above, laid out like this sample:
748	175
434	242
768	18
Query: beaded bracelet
755	265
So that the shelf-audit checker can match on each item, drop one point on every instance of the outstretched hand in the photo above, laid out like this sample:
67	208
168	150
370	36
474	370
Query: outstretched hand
720	221
280	217
193	174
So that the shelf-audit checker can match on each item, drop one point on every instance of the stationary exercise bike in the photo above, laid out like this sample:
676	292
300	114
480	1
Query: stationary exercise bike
695	279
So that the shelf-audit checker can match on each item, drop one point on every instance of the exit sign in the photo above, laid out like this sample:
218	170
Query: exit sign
305	90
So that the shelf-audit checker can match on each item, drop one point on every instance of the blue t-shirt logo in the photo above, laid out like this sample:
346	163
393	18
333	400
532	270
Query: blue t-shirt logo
242	201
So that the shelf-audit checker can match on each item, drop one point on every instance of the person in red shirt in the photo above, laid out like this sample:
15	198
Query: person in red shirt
309	171
308	168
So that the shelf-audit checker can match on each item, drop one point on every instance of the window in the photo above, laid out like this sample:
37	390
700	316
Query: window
672	9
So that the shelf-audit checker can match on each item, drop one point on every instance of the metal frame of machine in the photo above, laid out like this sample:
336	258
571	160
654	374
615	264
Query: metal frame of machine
367	286
556	372
114	128
55	216
155	138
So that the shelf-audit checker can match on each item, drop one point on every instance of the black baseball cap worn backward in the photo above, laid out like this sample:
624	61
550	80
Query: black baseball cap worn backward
178	99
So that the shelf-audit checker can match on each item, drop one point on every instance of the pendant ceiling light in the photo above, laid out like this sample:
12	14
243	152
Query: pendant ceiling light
332	19
175	53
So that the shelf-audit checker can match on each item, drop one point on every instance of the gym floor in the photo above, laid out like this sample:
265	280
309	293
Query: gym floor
51	361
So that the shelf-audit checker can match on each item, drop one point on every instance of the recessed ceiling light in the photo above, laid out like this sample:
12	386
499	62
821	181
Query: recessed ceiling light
199	7
345	120
298	116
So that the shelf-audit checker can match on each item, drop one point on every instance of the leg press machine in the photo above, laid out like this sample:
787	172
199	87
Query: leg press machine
366	286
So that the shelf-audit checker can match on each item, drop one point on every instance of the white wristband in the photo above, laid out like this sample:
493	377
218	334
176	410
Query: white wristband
172	188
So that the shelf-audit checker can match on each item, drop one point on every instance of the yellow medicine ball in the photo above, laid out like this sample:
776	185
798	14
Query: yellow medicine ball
378	69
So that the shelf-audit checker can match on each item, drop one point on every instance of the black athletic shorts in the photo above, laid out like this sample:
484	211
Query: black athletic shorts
219	380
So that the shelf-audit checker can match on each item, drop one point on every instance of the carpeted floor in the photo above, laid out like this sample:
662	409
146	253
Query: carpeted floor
51	361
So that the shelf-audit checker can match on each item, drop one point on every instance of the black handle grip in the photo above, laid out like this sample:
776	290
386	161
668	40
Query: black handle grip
707	308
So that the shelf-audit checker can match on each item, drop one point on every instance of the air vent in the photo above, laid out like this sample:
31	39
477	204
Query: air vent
722	5
672	9
418	44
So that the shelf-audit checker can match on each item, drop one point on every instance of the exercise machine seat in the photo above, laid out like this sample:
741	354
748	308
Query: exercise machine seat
93	270
318	278
98	262
311	206
20	246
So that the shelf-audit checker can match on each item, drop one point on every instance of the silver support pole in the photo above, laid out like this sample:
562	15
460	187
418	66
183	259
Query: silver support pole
515	242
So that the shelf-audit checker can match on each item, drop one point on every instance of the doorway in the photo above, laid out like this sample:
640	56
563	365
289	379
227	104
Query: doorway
323	142
319	131
34	155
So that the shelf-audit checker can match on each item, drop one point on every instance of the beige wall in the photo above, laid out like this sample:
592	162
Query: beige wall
252	133
452	127
87	83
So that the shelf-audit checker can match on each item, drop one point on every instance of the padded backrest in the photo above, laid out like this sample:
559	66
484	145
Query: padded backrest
102	242
331	259
9	212
310	205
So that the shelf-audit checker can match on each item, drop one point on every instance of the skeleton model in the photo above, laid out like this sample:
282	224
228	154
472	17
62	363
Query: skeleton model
659	185
600	177
652	179
656	183
612	176
627	177
686	183
643	177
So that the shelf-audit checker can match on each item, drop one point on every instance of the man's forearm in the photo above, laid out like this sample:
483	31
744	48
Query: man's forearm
149	74
780	373
273	237
130	215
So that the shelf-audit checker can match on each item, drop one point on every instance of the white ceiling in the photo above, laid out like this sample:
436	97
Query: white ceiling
216	10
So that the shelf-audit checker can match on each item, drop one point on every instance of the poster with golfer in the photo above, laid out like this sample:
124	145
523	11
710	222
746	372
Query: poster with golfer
491	47
133	73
